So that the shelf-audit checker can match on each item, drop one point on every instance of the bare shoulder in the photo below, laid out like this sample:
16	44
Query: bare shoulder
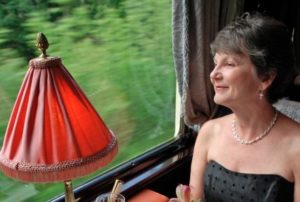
290	132
210	129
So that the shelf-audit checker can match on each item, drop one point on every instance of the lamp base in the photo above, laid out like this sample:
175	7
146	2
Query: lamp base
69	194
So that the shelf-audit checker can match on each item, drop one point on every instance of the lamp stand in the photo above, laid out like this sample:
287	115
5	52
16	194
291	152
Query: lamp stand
69	194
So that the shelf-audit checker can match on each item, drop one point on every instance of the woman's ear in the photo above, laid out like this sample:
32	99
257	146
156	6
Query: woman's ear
267	80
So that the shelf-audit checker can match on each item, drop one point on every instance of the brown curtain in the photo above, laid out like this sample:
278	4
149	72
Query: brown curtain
195	24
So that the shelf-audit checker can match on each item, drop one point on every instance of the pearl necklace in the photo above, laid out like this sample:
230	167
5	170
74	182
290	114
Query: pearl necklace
238	138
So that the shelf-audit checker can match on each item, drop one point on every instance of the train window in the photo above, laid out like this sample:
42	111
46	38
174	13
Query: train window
119	52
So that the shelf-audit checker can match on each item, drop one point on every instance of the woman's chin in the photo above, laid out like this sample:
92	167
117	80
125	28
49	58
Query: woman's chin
220	100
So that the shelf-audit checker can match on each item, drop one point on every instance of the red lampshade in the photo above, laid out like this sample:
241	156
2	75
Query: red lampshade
54	133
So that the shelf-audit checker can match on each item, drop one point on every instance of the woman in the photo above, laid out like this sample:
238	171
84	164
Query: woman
252	154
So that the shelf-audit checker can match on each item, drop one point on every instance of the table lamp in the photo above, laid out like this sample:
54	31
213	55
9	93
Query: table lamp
54	134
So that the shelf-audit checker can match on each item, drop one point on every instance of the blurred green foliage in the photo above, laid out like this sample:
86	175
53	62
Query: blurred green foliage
119	52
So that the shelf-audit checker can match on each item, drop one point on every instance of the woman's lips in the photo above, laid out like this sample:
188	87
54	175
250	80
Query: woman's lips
220	88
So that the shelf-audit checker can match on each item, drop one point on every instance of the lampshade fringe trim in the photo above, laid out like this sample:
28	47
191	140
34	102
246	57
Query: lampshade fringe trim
61	171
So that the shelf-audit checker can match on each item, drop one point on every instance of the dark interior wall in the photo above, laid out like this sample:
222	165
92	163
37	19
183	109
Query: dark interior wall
283	10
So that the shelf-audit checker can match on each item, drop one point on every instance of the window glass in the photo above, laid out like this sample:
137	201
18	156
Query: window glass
118	51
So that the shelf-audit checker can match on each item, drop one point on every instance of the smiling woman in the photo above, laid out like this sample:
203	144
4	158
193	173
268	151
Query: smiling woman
229	162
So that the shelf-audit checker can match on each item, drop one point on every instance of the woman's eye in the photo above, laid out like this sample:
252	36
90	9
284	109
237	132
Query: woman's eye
230	64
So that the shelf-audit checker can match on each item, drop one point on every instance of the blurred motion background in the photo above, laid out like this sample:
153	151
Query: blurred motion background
118	51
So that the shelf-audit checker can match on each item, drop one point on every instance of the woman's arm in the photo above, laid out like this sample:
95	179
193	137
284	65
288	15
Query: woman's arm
199	162
294	163
296	171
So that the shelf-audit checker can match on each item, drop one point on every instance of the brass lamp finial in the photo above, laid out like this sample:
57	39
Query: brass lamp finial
42	44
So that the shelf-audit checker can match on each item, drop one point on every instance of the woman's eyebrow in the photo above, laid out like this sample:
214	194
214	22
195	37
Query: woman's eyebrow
235	58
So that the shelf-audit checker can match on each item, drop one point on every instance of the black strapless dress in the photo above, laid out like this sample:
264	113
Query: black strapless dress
223	185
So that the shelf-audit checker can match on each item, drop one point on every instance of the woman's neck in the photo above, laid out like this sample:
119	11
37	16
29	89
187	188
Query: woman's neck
251	122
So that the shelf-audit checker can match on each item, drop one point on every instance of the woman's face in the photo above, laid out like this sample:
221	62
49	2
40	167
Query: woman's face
234	79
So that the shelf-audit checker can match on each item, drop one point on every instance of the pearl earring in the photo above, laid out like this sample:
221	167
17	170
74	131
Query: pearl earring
261	95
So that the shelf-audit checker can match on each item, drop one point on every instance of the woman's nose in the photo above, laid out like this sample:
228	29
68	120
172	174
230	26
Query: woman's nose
215	74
